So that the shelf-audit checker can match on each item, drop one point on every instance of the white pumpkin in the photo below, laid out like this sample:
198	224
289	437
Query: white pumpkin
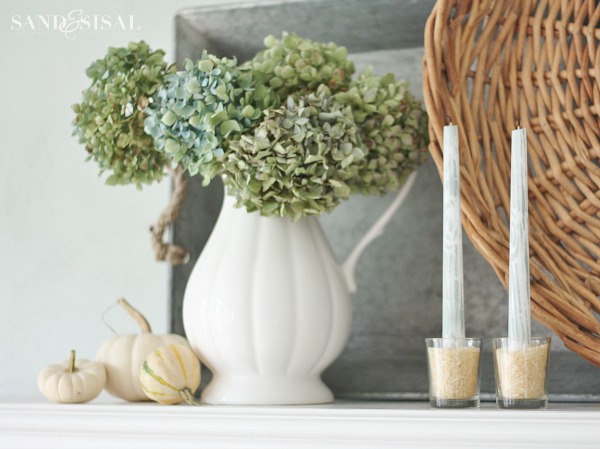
72	381
171	374
123	355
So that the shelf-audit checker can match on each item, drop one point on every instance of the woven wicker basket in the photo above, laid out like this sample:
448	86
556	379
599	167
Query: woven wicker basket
488	64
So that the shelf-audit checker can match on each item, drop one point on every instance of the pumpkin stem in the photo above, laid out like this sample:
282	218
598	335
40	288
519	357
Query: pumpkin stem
135	314
188	396
72	367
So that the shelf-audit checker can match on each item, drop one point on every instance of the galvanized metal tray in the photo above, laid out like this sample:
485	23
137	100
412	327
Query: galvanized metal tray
398	303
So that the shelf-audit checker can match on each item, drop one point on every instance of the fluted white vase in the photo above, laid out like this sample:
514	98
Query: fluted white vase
267	307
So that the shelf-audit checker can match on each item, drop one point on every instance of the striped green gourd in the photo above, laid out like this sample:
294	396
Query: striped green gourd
171	374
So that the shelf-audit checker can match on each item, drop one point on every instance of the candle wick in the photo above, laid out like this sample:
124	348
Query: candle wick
448	119
518	123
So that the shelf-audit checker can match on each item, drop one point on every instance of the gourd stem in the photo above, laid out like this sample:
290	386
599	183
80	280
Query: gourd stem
135	314
188	396
72	367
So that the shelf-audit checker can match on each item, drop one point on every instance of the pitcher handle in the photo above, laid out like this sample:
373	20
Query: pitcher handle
349	265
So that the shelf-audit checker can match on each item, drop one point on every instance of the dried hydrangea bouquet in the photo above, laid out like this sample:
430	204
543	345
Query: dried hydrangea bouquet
292	134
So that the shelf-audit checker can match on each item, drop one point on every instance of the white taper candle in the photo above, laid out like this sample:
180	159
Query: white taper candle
519	313
453	313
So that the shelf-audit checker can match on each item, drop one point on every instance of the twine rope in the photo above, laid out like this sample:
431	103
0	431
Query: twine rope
173	254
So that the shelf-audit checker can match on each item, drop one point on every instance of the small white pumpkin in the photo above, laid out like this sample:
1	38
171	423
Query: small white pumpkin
171	374
72	381
123	355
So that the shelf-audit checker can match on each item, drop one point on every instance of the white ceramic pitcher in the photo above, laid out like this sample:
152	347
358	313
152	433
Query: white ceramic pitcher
267	307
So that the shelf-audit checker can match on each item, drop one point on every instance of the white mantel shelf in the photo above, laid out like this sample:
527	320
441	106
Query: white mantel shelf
106	424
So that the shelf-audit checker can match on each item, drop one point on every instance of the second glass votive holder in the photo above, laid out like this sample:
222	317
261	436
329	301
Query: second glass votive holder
521	369
453	372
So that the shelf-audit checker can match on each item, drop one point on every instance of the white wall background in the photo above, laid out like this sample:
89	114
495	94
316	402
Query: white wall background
69	245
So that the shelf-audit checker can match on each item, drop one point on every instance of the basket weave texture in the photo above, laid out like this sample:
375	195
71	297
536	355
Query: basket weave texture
488	64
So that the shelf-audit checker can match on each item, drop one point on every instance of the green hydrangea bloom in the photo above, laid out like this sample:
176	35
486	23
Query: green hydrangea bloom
394	129
297	161
109	120
293	64
199	110
290	131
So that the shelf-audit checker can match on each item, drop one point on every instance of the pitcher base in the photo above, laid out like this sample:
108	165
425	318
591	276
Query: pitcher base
266	391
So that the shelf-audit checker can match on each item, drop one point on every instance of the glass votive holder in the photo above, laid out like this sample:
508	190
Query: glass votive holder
453	372
521	369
